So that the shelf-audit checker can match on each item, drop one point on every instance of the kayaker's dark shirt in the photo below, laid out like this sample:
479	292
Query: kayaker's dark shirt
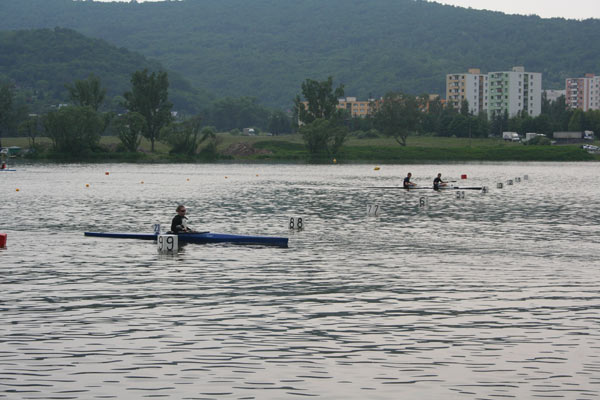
406	183
436	183
178	224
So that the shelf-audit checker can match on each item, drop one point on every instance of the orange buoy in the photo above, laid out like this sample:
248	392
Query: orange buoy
87	185
17	189
106	173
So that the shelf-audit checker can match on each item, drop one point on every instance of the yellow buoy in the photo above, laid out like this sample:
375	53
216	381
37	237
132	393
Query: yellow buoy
376	168
334	160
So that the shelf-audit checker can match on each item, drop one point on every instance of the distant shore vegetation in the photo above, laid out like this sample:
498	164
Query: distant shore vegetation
401	128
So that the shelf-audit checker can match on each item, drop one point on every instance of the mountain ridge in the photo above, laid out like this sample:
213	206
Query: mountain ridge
266	48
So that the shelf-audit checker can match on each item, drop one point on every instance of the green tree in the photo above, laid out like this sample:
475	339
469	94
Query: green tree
130	128
186	136
31	128
279	123
87	92
74	130
592	121
323	137
577	121
6	103
499	124
149	96
398	116
322	101
464	107
231	113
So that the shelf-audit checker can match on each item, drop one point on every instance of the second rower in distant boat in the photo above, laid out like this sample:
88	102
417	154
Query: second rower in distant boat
438	182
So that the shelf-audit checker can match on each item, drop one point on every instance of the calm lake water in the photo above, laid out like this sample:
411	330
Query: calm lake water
492	296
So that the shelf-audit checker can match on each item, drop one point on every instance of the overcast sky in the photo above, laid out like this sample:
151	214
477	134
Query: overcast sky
575	9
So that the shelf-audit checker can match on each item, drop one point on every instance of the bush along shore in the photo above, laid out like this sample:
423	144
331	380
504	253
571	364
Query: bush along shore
290	148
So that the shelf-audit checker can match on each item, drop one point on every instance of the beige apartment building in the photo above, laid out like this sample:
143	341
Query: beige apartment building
355	107
471	86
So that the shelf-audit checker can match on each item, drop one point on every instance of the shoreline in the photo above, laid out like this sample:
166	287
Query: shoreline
289	149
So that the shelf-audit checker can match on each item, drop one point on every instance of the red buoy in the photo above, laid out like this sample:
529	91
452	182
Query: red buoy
463	176
3	237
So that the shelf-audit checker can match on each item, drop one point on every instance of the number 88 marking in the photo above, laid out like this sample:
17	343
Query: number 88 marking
296	223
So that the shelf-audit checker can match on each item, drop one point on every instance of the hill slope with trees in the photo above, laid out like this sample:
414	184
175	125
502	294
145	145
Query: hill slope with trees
41	62
266	48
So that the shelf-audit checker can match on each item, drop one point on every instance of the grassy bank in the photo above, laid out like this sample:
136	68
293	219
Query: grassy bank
290	148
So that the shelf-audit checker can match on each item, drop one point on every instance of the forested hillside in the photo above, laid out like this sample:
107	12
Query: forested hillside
41	62
266	48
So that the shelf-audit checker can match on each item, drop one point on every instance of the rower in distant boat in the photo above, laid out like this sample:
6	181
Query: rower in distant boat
407	184
438	182
179	222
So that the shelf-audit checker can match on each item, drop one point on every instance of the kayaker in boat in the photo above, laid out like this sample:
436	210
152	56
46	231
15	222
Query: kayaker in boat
438	182
179	222
407	184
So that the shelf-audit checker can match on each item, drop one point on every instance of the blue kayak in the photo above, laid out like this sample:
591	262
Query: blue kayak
200	238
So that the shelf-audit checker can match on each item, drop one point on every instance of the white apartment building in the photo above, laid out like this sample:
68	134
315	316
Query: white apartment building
470	86
496	92
513	92
583	93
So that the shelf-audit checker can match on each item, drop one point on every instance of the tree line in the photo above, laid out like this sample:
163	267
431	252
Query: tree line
75	129
325	128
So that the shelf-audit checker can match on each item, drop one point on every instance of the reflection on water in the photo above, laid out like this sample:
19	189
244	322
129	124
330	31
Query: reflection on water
490	296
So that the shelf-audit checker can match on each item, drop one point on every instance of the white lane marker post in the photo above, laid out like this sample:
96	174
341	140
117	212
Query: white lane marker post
167	244
296	223
373	210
